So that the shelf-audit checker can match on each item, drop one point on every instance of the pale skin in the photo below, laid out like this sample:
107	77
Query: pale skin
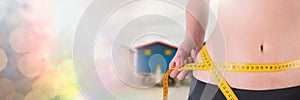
255	31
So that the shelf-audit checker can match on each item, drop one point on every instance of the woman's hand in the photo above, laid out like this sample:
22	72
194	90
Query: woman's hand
181	58
196	23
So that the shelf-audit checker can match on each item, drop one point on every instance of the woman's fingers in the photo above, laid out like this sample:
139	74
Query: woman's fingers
185	74
178	61
172	64
182	74
188	76
190	60
173	73
175	63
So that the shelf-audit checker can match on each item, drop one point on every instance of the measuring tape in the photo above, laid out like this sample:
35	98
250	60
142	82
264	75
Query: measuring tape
214	69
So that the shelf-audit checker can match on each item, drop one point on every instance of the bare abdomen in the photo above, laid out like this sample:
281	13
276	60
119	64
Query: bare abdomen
258	31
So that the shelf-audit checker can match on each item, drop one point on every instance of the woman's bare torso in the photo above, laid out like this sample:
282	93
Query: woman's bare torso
259	31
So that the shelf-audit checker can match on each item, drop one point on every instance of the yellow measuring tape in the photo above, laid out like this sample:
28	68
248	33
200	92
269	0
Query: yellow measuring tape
214	68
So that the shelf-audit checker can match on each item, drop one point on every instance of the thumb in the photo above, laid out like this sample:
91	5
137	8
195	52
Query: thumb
172	64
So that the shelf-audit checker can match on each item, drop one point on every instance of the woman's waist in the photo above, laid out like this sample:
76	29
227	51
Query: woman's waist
255	81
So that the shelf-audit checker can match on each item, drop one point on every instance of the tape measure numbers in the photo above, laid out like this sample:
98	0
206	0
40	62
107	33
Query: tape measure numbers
213	68
217	76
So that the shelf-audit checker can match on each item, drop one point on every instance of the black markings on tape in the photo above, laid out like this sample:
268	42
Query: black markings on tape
222	84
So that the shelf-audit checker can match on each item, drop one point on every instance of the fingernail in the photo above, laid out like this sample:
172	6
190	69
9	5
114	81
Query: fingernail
188	77
179	78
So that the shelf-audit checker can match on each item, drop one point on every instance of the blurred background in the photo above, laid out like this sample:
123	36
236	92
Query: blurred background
36	49
136	42
132	49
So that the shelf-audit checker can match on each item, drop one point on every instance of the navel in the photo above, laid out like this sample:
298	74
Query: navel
261	48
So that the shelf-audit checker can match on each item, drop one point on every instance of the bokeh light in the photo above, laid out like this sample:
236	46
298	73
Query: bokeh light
6	88
30	65
23	85
15	96
3	61
36	95
36	40
36	43
19	40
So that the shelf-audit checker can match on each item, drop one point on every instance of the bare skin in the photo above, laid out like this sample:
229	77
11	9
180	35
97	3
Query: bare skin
258	31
